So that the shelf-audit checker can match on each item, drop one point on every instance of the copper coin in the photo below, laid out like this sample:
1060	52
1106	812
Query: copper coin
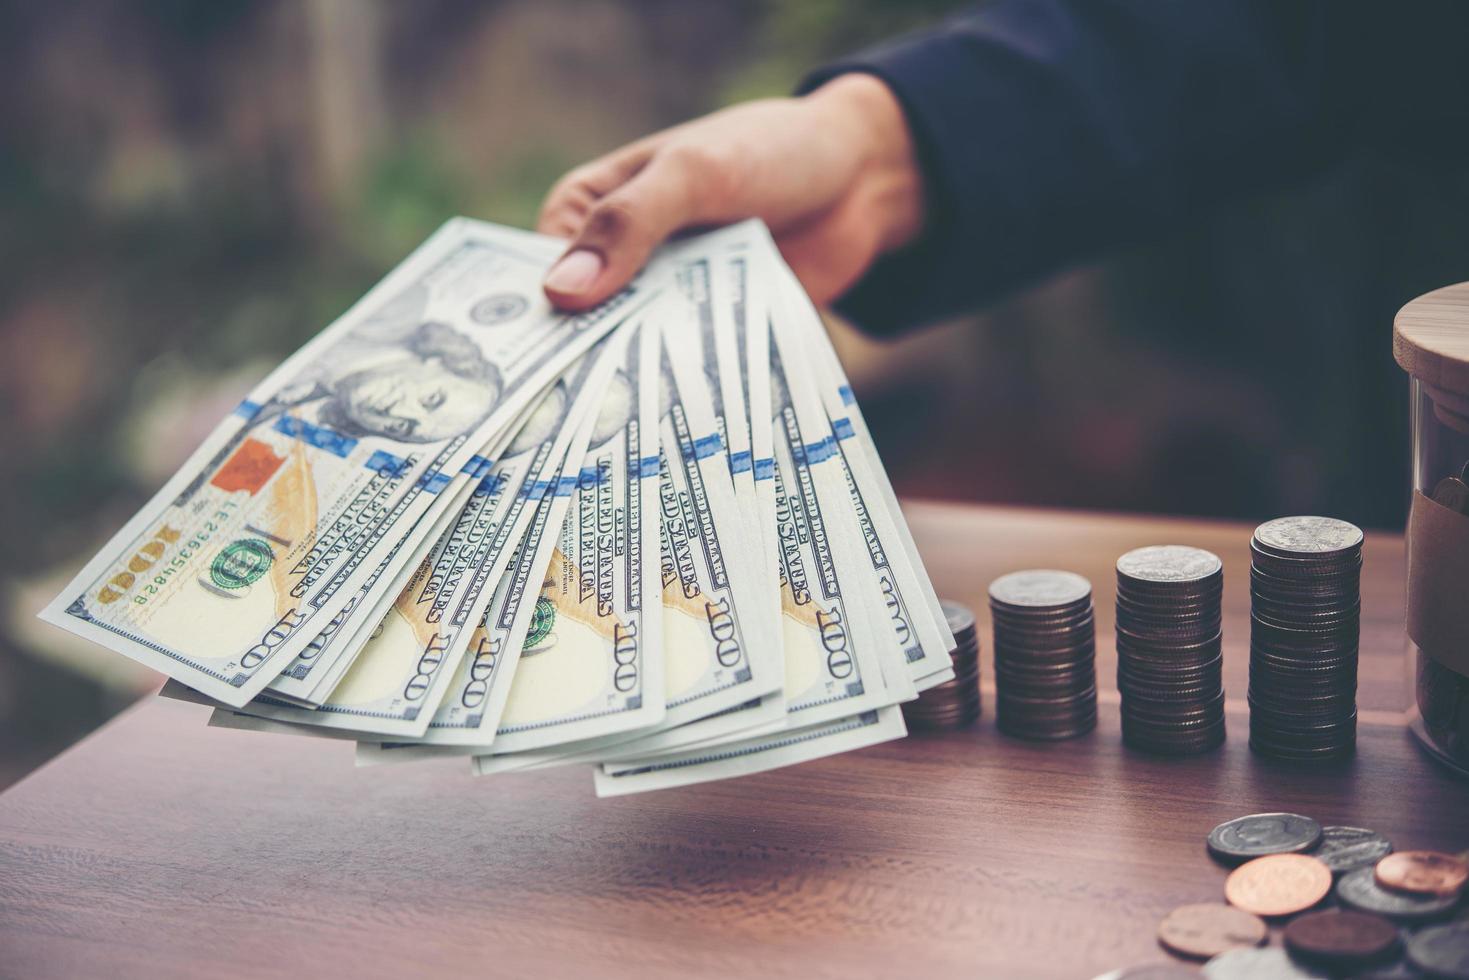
1208	929
1337	935
1278	884
1423	873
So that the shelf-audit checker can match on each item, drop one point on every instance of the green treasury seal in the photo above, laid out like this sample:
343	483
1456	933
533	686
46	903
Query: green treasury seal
241	564
542	621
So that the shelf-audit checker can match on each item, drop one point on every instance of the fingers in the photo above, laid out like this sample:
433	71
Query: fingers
565	209
620	228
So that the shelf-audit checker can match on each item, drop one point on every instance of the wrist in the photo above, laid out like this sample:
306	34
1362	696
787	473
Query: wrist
876	128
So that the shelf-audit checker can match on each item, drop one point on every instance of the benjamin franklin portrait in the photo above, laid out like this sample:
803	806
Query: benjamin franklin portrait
396	376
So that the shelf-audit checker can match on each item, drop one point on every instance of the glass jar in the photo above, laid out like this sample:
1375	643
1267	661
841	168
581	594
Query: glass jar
1431	342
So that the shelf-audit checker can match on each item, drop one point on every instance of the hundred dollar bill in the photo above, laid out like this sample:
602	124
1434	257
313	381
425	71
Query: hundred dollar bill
504	633
272	526
396	683
836	663
752	327
904	588
759	754
531	501
592	664
471	714
716	682
819	683
716	339
706	358
736	273
351	634
316	670
711	620
834	660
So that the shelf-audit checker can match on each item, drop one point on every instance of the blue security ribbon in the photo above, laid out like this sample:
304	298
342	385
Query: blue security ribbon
648	466
765	469
433	481
387	464
843	428
315	435
247	409
536	489
817	451
478	466
848	397
739	462
705	446
594	476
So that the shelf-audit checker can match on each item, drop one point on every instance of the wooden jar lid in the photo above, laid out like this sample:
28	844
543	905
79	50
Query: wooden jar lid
1430	339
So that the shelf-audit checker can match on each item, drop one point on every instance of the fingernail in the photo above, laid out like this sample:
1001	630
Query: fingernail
575	272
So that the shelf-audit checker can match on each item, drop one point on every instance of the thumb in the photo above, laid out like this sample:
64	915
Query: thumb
620	232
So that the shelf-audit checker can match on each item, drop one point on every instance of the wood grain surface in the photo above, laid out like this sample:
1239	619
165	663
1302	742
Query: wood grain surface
1430	338
161	848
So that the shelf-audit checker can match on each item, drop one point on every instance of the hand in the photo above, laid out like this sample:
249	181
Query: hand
832	173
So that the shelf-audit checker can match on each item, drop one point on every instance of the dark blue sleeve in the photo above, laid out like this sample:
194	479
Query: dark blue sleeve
1047	129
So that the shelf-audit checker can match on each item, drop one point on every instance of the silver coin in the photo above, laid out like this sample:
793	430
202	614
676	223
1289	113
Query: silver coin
1169	563
1308	535
1359	890
959	617
1040	587
1441	951
1346	849
1263	833
1257	964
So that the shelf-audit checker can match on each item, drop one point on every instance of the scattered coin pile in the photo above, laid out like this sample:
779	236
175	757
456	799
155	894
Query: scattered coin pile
1383	917
1169	657
1045	654
1305	614
954	703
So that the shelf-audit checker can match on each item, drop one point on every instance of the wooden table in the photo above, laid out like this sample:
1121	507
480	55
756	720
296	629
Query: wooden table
161	848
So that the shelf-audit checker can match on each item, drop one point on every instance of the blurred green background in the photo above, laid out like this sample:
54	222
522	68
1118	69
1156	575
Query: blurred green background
189	190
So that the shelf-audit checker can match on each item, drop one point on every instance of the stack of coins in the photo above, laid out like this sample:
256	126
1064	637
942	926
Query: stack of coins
1045	654
1169	659
1305	612
954	703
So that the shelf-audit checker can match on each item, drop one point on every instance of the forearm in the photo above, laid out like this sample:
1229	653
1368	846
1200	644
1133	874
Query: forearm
876	130
1048	129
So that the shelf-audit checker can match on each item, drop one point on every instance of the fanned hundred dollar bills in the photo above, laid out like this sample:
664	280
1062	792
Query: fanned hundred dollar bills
655	538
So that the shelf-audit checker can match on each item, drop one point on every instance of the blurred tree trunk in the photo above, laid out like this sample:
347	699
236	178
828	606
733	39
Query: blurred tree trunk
347	104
